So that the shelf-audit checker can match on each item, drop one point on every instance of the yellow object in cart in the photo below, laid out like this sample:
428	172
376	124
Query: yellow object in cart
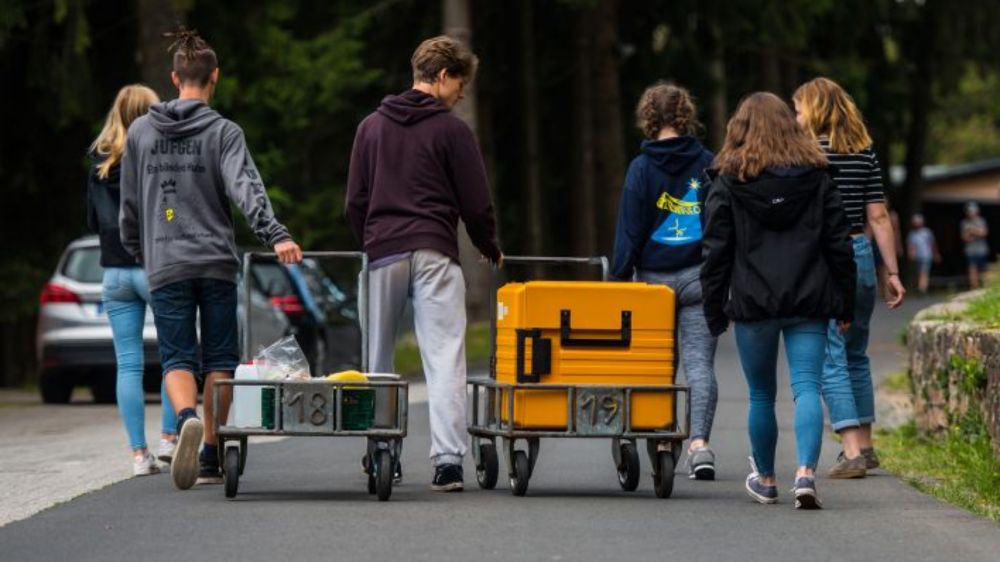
585	333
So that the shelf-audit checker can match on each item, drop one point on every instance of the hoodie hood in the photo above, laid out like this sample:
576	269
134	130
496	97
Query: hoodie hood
182	118
412	106
673	155
778	197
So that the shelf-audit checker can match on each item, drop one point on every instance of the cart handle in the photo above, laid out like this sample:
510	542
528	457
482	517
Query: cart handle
249	257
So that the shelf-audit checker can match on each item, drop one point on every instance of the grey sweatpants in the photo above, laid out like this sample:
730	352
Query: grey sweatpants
697	344
435	284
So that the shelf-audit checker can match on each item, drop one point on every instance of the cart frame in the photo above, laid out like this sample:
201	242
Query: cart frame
384	443
487	420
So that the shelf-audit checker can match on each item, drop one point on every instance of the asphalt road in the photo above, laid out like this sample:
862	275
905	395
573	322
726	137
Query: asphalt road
305	499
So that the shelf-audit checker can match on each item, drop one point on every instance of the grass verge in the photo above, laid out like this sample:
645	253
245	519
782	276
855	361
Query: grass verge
985	309
959	468
477	350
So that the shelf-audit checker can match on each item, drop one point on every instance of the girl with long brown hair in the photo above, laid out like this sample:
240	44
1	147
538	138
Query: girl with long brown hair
125	292
830	117
778	263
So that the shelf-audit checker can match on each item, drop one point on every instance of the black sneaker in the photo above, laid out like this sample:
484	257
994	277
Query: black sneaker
448	478
209	472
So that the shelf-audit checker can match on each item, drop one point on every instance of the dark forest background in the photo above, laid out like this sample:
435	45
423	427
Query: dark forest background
552	105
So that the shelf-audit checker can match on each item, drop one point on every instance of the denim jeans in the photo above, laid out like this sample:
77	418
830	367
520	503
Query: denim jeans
178	307
847	374
125	295
697	345
757	343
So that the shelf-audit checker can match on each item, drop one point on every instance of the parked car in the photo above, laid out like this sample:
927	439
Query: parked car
74	345
324	317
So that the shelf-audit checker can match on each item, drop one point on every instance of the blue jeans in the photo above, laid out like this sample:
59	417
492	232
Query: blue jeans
125	294
757	343
177	309
847	373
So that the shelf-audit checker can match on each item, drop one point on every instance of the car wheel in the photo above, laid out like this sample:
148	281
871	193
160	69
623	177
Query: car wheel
55	387
103	387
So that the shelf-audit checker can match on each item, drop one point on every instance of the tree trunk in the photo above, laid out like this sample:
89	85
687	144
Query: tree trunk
606	115
155	64
458	24
718	116
535	234
582	194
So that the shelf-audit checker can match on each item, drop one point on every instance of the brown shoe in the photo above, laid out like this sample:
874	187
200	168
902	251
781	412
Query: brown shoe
871	459
848	468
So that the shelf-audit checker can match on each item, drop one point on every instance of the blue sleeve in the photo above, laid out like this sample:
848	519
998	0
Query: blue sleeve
633	225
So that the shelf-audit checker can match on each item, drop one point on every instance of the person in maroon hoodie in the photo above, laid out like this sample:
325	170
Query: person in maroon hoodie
415	171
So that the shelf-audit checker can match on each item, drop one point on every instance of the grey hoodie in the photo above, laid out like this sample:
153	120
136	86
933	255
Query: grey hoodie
183	165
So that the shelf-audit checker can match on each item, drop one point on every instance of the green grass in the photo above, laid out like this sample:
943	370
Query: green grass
898	381
477	350
985	309
959	468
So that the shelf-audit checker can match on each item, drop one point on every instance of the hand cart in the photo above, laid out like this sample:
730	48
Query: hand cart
320	407
591	412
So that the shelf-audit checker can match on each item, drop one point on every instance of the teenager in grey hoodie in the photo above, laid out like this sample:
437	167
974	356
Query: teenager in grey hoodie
184	164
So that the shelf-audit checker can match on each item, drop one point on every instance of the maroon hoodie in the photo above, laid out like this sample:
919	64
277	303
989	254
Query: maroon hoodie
415	170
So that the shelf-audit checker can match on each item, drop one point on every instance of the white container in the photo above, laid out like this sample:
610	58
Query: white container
246	399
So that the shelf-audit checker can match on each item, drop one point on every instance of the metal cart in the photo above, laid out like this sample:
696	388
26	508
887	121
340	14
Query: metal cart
316	408
591	413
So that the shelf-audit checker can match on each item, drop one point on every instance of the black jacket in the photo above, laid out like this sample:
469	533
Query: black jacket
777	246
103	201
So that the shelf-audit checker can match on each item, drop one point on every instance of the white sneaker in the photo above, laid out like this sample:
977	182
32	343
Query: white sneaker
144	465
166	451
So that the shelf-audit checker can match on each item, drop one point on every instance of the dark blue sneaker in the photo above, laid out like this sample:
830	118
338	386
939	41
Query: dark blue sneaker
805	493
761	493
448	478
209	471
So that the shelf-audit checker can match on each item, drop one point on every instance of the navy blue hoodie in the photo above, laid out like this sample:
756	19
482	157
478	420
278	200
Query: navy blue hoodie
660	217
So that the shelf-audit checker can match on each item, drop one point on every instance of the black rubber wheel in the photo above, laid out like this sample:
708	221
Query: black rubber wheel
383	475
231	471
628	470
487	473
104	387
663	478
371	474
243	455
55	387
522	473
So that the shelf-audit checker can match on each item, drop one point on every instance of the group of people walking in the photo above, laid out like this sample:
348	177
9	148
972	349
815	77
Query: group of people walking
767	234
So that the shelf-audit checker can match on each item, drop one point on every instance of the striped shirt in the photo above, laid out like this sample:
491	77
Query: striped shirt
859	178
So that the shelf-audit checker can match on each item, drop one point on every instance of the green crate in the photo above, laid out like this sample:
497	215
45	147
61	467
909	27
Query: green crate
358	409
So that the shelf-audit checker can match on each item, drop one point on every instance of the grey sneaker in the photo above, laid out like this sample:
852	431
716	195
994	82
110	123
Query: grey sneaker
805	493
701	464
871	459
760	492
848	468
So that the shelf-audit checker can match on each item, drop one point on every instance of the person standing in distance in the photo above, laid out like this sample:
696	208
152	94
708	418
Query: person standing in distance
415	171
184	165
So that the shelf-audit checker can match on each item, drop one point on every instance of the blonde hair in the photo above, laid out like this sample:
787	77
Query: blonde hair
828	110
132	102
763	134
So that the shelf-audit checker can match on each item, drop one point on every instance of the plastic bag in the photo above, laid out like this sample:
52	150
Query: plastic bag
282	359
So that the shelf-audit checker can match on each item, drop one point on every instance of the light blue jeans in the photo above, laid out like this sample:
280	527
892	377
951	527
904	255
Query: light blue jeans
805	341
125	296
847	373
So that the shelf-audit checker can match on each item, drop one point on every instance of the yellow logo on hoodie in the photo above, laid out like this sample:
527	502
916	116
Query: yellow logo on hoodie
170	215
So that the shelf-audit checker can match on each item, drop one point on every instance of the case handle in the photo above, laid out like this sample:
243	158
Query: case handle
566	340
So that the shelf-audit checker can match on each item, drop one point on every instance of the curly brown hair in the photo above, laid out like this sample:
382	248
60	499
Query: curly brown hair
666	105
763	134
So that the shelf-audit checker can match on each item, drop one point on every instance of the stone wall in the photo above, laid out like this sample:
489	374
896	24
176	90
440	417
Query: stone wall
955	371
